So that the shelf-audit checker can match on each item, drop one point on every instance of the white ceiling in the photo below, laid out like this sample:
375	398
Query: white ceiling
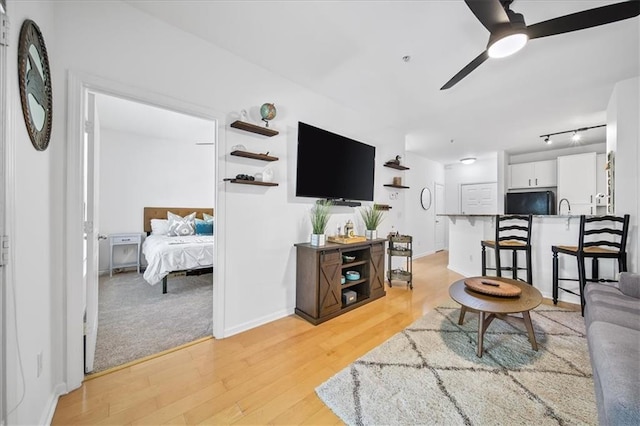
146	120
351	52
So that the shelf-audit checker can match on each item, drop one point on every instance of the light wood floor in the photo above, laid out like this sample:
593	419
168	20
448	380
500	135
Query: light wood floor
263	376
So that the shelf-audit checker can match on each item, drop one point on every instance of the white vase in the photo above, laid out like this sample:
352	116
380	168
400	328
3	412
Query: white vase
371	234
318	239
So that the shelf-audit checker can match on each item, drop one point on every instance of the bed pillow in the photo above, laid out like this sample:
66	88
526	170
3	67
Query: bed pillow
204	227
207	217
181	226
159	226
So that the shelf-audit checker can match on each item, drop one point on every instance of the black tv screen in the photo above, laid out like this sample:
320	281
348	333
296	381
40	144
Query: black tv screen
333	166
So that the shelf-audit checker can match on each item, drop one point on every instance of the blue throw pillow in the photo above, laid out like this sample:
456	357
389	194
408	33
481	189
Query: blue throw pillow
204	227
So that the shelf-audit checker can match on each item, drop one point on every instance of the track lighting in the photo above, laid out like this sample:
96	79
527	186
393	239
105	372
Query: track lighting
575	137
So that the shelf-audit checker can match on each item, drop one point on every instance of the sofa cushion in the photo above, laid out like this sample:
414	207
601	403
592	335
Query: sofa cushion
614	358
607	303
630	284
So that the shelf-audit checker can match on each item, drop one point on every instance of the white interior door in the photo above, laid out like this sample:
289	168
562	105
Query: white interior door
440	220
90	268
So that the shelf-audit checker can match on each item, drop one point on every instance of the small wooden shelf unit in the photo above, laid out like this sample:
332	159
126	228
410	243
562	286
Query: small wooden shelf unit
401	246
248	127
319	270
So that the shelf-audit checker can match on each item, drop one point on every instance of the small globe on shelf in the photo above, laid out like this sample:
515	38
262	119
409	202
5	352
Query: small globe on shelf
268	112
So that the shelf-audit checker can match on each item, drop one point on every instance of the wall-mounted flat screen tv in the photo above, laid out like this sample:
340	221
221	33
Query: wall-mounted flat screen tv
333	166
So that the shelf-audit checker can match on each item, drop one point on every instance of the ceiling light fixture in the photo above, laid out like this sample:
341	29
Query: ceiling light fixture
575	137
468	160
509	38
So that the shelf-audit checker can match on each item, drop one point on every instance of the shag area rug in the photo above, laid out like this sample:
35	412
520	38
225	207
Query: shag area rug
136	320
429	374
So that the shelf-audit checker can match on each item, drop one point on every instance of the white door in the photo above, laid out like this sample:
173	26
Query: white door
440	220
478	198
90	268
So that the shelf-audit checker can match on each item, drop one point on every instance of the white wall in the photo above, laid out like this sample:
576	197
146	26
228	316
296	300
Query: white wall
259	225
420	223
482	171
138	171
34	215
623	137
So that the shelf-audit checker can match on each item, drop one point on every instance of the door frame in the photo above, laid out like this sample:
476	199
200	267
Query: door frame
4	201
436	207
78	85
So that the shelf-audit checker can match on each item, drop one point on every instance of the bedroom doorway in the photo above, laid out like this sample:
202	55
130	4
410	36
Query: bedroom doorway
135	155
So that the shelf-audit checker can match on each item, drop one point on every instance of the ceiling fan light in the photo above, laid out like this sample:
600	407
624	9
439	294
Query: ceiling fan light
507	45
468	160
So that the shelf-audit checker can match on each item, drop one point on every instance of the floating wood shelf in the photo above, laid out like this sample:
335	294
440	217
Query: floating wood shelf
248	127
383	207
396	166
251	182
390	185
253	155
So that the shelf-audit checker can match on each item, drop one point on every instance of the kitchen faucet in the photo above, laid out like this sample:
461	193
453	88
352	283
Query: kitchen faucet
568	206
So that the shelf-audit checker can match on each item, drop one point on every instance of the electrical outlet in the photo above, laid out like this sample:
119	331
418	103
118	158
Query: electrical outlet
39	372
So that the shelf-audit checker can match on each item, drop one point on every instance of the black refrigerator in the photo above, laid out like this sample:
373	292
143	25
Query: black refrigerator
539	202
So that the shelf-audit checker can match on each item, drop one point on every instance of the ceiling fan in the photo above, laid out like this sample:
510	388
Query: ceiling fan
509	33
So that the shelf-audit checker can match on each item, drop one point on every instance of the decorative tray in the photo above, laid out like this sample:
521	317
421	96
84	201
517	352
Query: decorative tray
492	287
346	240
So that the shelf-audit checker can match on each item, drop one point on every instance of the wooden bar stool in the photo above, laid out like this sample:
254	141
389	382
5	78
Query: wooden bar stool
513	232
601	237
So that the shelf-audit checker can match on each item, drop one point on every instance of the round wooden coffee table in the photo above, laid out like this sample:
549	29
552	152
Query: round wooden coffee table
490	307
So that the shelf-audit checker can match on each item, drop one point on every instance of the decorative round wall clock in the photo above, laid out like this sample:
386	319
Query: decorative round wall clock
34	78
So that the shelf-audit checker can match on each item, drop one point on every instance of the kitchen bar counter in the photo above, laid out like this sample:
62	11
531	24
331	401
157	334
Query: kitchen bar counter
465	252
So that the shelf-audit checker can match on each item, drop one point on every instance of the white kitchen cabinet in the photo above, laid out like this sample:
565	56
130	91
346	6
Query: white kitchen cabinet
577	182
601	180
537	174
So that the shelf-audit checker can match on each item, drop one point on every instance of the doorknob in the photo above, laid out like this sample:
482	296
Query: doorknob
102	237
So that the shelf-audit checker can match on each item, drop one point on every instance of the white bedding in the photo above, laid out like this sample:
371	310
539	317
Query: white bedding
166	254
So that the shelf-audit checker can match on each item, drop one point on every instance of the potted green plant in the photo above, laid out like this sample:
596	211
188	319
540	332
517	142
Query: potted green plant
372	216
319	220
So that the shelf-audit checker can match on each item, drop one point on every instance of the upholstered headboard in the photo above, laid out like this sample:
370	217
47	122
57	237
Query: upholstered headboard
161	213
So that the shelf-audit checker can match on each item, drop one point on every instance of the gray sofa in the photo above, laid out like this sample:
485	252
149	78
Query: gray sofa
612	318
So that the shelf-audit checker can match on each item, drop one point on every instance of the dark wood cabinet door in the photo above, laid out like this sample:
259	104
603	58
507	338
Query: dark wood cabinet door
330	296
376	269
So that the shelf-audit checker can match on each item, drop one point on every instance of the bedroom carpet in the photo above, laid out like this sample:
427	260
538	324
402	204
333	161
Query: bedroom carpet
429	374
136	320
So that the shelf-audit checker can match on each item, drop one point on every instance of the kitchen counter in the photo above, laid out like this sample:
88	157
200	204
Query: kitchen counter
465	253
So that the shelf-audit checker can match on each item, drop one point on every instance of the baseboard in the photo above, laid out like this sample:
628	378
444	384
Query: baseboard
52	404
418	256
228	332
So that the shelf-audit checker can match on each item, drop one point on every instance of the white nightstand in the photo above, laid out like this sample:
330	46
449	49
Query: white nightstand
123	240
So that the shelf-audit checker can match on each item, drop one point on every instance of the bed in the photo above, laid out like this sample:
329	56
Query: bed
175	255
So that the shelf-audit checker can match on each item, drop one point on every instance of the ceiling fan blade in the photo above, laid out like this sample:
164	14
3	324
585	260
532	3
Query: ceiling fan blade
489	12
466	70
585	19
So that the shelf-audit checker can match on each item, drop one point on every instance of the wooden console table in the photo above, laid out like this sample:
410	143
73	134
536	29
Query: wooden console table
319	271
